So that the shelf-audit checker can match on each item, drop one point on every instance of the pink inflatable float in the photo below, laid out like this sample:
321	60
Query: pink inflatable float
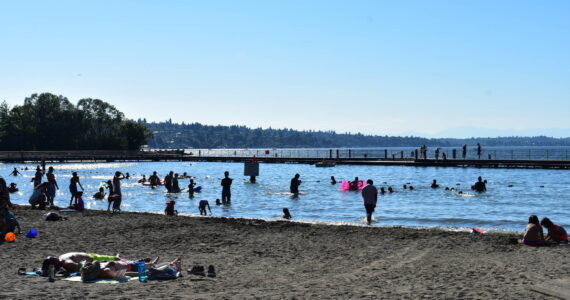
345	185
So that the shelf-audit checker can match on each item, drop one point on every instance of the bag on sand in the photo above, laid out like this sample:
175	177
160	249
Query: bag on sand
52	216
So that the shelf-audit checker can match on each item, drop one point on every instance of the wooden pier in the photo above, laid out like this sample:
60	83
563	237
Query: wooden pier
157	156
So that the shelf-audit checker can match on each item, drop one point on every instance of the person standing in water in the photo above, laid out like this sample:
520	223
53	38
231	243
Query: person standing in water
51	187
226	185
370	197
37	180
73	182
295	183
117	191
15	172
168	181
191	189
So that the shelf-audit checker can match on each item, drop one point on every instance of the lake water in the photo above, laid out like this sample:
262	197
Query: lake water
513	194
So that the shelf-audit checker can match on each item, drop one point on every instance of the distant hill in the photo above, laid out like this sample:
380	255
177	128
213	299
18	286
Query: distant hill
168	135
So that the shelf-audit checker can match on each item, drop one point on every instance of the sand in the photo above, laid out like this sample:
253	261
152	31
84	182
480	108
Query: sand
281	259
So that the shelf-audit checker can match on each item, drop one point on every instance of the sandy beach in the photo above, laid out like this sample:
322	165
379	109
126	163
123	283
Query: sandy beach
259	259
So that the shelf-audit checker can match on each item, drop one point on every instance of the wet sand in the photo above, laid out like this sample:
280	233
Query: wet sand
258	259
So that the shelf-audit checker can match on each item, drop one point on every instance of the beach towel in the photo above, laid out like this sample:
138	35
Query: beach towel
104	281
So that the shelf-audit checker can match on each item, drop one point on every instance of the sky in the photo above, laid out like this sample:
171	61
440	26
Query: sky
432	68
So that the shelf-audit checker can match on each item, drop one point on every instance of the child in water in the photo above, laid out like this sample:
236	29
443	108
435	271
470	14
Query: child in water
202	207
100	195
169	210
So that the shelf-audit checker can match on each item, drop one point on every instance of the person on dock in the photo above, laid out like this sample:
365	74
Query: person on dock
480	186
479	150
333	180
294	186
370	197
202	207
37	179
226	188
51	187
15	172
464	151
73	182
437	153
168	181
434	184
533	234
556	233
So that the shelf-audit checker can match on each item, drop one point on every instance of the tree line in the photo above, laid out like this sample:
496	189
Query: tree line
168	135
51	122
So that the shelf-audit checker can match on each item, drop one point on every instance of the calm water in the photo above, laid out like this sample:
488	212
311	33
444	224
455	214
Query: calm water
541	192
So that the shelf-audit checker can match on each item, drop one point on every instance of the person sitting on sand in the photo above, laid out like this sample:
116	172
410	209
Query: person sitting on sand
556	233
333	180
479	186
286	214
353	185
434	184
8	222
142	180
533	235
202	207
100	195
169	210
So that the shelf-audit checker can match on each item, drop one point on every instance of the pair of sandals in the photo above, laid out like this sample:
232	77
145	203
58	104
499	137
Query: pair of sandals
199	270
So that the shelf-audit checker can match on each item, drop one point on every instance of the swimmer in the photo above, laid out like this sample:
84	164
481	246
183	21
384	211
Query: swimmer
154	180
100	195
382	191
142	180
333	180
354	184
127	175
13	188
479	186
411	188
202	207
218	202
191	189
294	186
390	190
286	214
15	172
405	187
434	184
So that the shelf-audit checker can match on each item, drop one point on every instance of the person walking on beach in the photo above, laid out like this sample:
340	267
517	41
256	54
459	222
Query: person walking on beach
295	183
51	187
37	179
226	191
370	197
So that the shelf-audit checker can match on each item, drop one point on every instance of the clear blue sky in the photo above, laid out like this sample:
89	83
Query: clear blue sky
382	67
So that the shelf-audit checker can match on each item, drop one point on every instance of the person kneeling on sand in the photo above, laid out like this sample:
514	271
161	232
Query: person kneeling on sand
556	233
202	207
8	222
533	235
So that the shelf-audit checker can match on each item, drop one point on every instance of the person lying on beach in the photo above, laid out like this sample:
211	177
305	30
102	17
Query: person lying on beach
479	186
70	262
533	235
556	233
434	184
169	210
118	269
202	207
100	195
